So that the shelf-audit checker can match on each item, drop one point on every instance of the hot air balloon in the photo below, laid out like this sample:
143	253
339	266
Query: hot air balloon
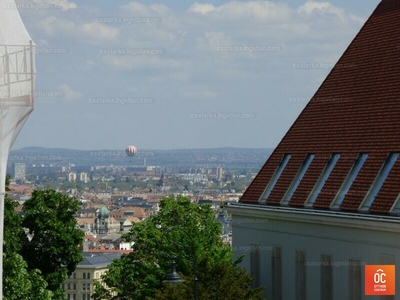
130	150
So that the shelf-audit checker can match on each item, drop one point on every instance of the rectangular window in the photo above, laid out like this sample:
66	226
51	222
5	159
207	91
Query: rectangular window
255	263
323	178
74	297
69	286
88	275
300	276
355	279
276	269
386	260
348	182
379	180
275	177
84	275
299	176
88	286
326	277
69	296
74	286
74	275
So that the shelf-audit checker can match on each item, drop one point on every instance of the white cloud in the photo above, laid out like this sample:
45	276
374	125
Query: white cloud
259	11
92	33
69	93
64	5
212	40
201	8
97	32
127	62
142	10
198	92
312	31
325	7
47	26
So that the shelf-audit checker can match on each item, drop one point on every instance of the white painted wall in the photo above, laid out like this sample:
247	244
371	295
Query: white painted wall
344	236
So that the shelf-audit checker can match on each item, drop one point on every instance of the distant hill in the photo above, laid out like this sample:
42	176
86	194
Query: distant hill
227	156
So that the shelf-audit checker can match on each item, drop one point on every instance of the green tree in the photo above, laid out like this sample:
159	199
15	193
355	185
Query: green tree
54	246
220	281
21	284
18	282
188	233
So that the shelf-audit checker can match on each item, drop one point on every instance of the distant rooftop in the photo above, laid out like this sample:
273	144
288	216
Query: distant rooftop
103	259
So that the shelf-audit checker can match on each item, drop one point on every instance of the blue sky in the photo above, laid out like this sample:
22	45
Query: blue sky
182	74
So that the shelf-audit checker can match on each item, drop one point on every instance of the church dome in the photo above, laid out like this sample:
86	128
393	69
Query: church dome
103	213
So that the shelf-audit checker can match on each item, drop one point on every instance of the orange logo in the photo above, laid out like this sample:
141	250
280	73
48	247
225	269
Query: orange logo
380	280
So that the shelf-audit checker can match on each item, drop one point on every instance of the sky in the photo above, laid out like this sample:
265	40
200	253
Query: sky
161	75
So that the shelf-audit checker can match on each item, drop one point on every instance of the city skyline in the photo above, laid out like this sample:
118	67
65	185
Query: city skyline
179	75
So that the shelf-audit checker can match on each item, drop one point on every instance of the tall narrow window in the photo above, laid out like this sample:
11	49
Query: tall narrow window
326	277
299	176
276	269
348	182
379	180
386	260
275	177
354	279
300	276
323	178
255	263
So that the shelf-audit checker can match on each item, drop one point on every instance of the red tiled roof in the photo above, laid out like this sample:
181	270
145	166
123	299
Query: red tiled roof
355	110
21	188
91	238
83	221
134	219
137	211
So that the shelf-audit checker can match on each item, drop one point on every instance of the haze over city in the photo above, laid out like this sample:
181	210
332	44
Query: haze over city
182	74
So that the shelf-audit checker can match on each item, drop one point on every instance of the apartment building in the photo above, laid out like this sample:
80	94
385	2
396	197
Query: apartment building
80	285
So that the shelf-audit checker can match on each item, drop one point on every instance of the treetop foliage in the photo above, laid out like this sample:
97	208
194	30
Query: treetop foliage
189	234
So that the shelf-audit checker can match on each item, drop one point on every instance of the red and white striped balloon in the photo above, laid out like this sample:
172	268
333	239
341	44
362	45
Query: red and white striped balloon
130	150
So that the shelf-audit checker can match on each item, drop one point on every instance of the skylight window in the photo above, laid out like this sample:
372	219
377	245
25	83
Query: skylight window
299	176
323	178
379	180
276	176
344	189
396	206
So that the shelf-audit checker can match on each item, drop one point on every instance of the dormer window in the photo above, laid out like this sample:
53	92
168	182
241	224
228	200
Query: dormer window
299	176
379	181
275	177
322	179
348	182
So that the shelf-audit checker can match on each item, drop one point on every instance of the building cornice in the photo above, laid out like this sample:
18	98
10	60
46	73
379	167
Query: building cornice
329	218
